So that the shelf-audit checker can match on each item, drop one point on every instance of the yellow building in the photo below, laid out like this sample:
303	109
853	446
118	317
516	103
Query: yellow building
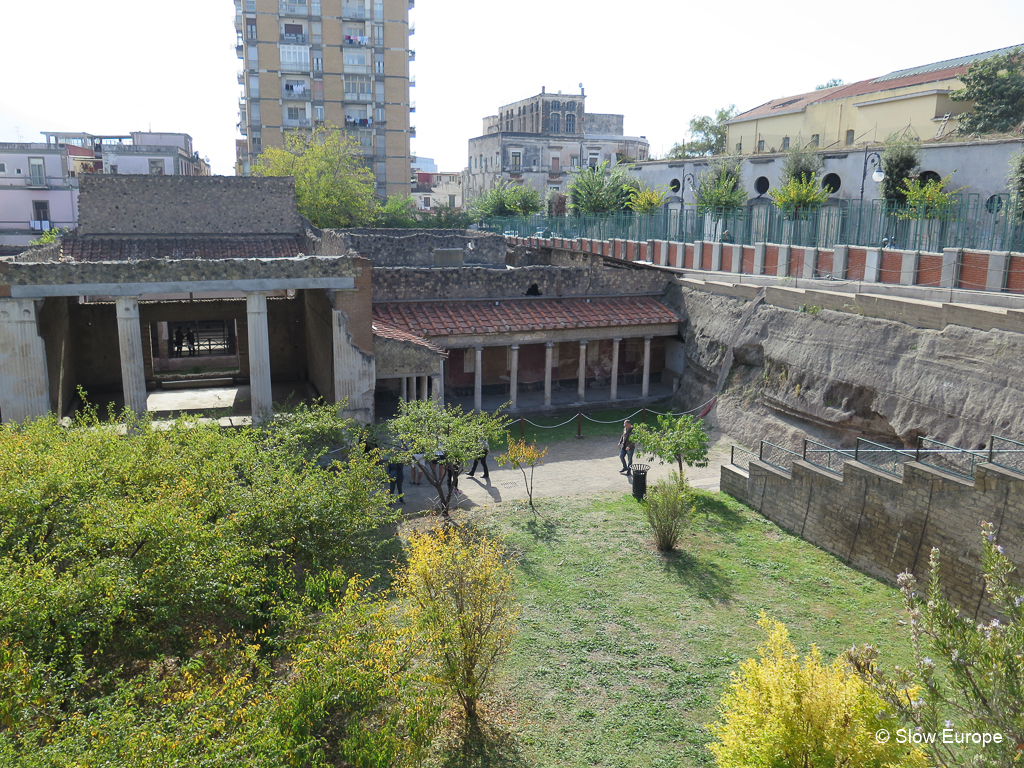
341	62
914	100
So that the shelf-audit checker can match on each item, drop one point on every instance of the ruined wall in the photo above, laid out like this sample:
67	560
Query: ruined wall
408	247
55	330
404	358
883	525
286	327
319	342
837	375
97	357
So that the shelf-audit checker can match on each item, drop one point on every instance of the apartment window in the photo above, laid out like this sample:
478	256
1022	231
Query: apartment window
355	58
257	143
318	62
315	31
574	161
250	6
314	7
156	167
366	139
250	29
556	124
570	106
451	201
36	172
40	210
254	86
378	34
425	202
357	87
760	145
815	139
378	65
381	115
378	9
380	90
517	161
3	168
254	57
318	113
554	165
595	157
254	112
785	143
296	113
295	56
318	90
850	137
570	122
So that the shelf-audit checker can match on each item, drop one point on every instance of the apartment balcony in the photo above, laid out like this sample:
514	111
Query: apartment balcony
412	4
39	225
286	8
412	55
302	122
293	39
360	40
238	22
412	82
240	50
295	94
358	123
412	131
412	29
250	6
295	66
358	97
241	77
412	107
356	69
354	12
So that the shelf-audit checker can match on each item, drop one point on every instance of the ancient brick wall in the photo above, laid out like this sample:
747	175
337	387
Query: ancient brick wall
410	247
319	341
404	358
884	525
55	329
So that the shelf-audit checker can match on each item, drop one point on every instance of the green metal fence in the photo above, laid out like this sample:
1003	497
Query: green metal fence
994	224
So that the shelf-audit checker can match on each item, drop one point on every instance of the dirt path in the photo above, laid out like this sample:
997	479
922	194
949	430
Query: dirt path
572	467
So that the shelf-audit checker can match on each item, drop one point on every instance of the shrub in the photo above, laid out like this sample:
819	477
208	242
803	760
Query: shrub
668	507
461	589
927	200
799	195
900	160
507	199
719	187
779	713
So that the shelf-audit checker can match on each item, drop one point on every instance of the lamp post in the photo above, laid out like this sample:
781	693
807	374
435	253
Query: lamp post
688	183
877	176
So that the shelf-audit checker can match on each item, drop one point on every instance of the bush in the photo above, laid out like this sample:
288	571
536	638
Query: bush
461	589
900	161
779	713
668	507
719	187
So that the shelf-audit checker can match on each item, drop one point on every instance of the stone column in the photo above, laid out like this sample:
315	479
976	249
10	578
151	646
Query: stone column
759	249
403	394
872	263
908	267
259	358
737	258
478	380
615	369
435	395
716	256
440	380
423	388
839	259
162	340
581	376
133	367
547	372
24	383
646	388
810	262
995	278
782	270
950	262
513	377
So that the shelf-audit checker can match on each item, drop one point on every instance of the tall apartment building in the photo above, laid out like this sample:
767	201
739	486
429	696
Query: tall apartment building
339	62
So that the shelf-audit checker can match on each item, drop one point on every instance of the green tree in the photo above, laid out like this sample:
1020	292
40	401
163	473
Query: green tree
901	158
446	434
801	163
830	84
719	186
444	217
49	236
677	439
1015	184
601	189
708	135
520	456
646	199
996	87
507	199
971	672
927	200
398	212
333	186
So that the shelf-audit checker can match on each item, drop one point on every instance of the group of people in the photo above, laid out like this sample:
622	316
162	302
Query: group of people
449	472
182	339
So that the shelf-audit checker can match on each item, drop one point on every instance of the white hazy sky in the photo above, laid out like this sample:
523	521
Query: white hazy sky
114	66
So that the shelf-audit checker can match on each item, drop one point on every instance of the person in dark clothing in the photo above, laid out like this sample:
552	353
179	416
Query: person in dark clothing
396	478
190	339
481	459
626	447
179	339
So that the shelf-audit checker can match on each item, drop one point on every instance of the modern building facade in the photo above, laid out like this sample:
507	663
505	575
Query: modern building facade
916	101
432	190
39	180
537	141
328	62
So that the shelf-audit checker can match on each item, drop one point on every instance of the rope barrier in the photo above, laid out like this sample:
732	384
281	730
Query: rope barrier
542	426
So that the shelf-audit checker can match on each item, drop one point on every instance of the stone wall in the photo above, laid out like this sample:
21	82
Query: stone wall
55	330
319	342
883	525
96	353
404	358
409	247
411	284
186	205
286	327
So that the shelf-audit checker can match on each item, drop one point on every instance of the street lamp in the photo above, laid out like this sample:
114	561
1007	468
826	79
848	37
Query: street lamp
877	176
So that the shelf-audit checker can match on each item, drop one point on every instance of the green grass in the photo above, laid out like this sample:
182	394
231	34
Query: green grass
549	433
622	653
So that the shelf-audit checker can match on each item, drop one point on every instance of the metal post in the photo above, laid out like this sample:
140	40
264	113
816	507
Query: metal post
644	417
579	425
522	428
917	453
856	450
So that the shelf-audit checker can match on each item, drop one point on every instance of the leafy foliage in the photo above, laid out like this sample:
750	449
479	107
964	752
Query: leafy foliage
926	200
600	189
798	195
708	135
444	217
719	187
802	164
443	433
507	199
668	507
521	455
971	672
462	591
644	199
557	203
49	236
677	439
779	713
835	81
996	86
900	160
333	187
398	211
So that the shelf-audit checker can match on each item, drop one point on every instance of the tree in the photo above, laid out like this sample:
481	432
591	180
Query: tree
927	200
520	456
996	86
677	439
398	211
900	160
333	186
50	236
444	217
557	203
779	713
647	200
972	672
600	189
461	588
507	199
708	135
1015	184
835	81
801	163
446	437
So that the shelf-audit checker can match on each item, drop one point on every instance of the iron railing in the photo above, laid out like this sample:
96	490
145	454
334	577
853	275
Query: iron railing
1006	453
948	458
882	457
995	224
825	456
740	457
777	456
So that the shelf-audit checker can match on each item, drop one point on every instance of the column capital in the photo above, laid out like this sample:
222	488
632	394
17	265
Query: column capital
127	306
513	346
584	342
549	344
616	339
479	347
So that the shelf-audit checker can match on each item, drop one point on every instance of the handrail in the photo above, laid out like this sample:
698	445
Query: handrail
772	449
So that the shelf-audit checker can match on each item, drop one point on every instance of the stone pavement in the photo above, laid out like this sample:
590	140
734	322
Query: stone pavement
572	467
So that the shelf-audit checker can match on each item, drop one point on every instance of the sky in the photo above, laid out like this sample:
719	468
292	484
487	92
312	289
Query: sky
115	66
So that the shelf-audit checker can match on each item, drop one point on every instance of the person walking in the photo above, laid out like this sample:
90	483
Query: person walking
179	339
481	459
626	447
396	478
190	340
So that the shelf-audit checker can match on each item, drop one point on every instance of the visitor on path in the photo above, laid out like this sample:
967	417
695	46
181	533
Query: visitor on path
190	339
626	447
179	339
417	469
481	459
396	478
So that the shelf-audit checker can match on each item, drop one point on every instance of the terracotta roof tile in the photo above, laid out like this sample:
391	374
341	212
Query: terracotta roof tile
446	318
385	331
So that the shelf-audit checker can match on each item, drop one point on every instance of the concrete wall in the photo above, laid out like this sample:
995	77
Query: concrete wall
883	525
55	329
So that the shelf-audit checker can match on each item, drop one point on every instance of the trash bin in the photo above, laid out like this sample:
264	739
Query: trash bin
639	480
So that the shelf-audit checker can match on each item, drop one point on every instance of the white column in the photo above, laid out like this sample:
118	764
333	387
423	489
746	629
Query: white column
478	380
24	383
645	390
436	394
513	377
548	345
581	376
440	380
423	388
259	358
615	369
402	389
133	369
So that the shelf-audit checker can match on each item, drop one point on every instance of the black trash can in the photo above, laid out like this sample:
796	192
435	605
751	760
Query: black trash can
639	480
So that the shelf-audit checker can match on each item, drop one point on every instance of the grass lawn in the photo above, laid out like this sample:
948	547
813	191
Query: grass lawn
623	653
552	428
